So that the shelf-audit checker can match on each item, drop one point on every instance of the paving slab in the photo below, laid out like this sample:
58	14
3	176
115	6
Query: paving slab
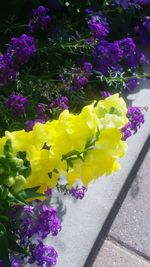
83	220
132	224
112	255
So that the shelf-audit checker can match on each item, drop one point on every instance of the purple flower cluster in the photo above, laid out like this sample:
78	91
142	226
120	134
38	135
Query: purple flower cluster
17	104
80	82
109	55
47	222
41	112
22	48
77	192
39	19
146	23
19	52
40	221
128	46
42	117
131	84
29	124
98	29
125	4
14	262
87	67
77	78
105	94
135	59
136	119
8	69
61	102
36	222
43	255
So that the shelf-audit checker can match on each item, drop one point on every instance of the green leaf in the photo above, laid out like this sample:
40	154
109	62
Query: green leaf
30	193
12	244
4	246
4	219
16	199
8	148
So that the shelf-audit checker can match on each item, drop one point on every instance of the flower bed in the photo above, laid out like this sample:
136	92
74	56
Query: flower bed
62	56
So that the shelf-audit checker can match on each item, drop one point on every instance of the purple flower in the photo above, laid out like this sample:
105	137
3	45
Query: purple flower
15	262
39	221
128	46
126	131
43	255
135	59
1	263
89	11
87	66
47	222
79	82
39	18
144	2
146	23
41	112
77	192
30	124
61	102
17	104
28	209
22	48
48	192
105	94
8	69
136	119
97	28
127	3
107	55
131	84
142	32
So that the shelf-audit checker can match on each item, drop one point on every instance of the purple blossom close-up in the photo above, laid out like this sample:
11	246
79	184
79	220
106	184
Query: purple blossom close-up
131	84
61	102
77	192
43	255
106	55
8	69
22	48
39	18
29	124
97	28
17	104
105	94
136	119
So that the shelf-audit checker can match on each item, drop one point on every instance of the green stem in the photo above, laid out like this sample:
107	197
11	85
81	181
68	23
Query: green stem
122	78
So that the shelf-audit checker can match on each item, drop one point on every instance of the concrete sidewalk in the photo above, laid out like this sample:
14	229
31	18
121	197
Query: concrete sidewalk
128	241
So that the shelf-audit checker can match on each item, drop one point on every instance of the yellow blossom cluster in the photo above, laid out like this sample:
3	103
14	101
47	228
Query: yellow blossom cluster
83	146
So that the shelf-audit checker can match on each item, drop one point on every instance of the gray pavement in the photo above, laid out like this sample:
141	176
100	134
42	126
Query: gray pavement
128	241
112	255
132	224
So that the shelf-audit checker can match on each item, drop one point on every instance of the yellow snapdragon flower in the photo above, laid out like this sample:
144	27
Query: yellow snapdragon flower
84	146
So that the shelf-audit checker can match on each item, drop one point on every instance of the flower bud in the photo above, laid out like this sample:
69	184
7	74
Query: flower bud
19	183
10	181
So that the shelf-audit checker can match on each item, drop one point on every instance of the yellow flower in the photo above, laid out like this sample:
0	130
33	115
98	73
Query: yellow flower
84	146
